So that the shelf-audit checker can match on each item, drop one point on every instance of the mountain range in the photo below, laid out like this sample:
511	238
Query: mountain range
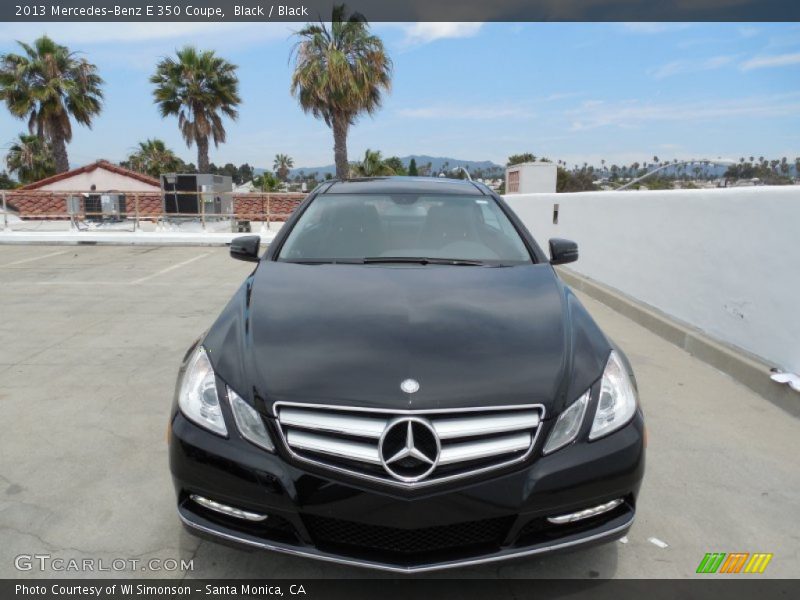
437	163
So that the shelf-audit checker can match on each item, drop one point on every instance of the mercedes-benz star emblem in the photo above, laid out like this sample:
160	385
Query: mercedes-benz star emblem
409	449
409	386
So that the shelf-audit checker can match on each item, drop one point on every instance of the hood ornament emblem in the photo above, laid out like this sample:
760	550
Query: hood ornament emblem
409	386
409	449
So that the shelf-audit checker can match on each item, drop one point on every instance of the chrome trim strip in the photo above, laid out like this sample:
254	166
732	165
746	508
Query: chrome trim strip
585	513
277	547
334	447
348	425
393	482
225	509
456	427
424	411
465	451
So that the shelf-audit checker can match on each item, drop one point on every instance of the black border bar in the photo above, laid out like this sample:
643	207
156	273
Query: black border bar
400	10
699	588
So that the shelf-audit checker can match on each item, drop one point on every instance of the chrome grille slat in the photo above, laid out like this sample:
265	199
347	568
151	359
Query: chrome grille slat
334	447
454	427
476	449
349	439
347	424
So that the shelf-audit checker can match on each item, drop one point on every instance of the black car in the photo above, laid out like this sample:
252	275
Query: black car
404	383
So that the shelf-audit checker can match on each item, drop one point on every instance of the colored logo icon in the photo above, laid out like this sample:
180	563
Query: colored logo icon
734	562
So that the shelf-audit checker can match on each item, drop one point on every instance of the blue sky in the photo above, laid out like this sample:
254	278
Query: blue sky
574	91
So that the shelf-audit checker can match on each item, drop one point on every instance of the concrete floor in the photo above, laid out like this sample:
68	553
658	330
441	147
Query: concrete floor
91	341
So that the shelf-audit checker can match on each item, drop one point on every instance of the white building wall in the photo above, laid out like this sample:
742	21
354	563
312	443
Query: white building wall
726	261
531	178
103	180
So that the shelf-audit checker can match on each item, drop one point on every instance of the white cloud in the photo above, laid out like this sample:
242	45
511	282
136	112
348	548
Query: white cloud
677	67
634	113
749	31
466	112
776	60
424	33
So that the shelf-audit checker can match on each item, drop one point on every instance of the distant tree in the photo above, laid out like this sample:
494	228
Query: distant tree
152	157
282	164
516	159
49	85
372	165
412	168
30	158
267	182
199	88
396	165
232	171
579	180
340	72
6	183
245	173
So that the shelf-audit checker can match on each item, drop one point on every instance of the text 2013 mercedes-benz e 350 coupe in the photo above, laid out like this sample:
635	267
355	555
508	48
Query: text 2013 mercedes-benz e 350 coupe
404	383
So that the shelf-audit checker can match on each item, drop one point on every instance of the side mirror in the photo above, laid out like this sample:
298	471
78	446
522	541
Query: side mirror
245	248
563	251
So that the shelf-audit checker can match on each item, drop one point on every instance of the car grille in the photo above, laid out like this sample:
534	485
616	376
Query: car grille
337	533
357	441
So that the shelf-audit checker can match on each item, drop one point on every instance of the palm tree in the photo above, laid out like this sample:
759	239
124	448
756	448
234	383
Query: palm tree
267	182
31	158
282	164
340	72
199	88
373	165
49	86
153	158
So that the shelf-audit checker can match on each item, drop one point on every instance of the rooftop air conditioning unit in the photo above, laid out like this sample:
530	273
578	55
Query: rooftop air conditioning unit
190	195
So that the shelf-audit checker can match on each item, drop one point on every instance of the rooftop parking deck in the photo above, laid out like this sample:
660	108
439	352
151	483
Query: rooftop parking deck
92	339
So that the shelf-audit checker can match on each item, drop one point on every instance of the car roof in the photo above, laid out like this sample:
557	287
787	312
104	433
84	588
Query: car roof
403	185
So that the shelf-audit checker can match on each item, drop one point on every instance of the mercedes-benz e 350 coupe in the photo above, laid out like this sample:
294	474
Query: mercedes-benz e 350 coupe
403	382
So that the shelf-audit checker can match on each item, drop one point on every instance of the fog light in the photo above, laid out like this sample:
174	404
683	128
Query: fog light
586	513
228	510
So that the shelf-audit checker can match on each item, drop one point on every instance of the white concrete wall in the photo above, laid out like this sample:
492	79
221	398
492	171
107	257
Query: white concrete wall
726	261
104	180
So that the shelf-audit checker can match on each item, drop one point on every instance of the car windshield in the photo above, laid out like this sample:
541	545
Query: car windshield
426	229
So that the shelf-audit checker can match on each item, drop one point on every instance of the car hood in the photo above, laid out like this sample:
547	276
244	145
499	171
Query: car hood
350	334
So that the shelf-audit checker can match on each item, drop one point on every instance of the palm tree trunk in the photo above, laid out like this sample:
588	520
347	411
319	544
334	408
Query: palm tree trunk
202	154
59	147
340	126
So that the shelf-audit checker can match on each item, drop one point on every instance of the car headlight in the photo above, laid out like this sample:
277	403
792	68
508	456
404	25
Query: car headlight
617	403
249	422
567	425
198	398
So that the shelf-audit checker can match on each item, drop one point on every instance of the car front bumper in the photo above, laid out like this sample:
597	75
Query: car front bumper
472	521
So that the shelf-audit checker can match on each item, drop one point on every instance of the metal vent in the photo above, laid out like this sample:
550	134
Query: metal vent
409	448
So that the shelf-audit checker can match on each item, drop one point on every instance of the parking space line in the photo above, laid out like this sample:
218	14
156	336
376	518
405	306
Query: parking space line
168	269
32	258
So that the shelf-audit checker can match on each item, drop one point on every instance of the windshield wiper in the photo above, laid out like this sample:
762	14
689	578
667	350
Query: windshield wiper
324	261
422	260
